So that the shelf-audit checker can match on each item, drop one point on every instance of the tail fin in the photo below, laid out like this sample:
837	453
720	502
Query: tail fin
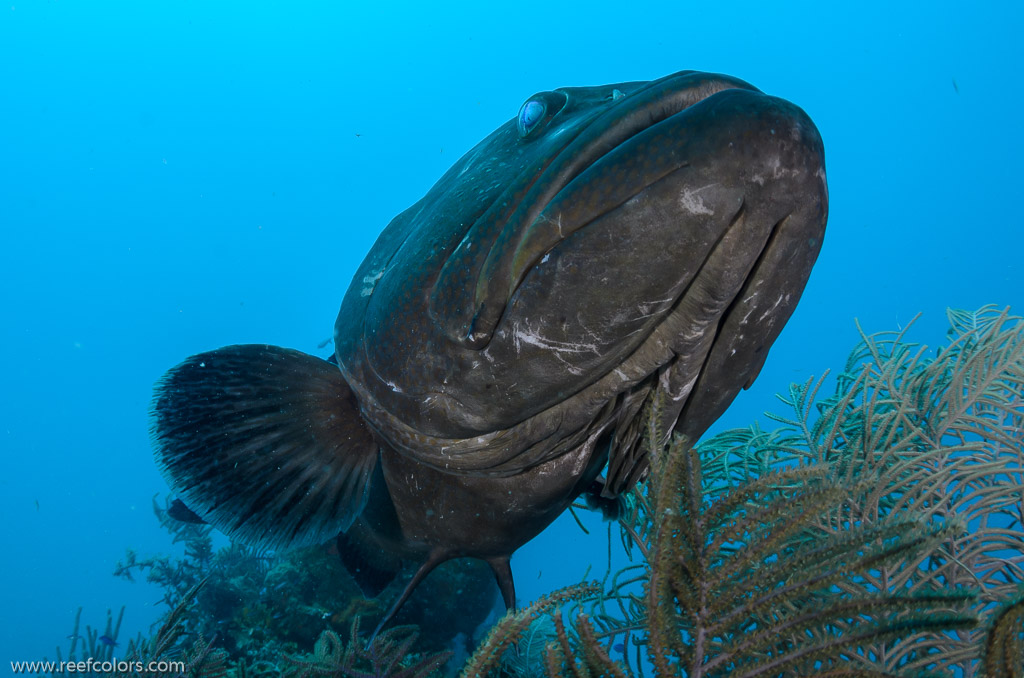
265	443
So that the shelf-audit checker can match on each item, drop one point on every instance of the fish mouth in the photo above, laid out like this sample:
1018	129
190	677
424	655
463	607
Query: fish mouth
555	201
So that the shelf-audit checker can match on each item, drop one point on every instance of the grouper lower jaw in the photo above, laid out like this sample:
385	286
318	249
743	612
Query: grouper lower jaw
606	247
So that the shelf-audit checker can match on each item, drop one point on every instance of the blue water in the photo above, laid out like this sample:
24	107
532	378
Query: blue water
176	176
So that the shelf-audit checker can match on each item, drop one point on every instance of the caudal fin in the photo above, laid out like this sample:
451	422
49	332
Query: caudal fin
265	443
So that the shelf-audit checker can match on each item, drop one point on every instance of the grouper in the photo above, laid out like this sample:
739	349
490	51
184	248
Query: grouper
498	347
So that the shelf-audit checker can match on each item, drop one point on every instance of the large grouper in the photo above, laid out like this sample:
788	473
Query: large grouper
497	347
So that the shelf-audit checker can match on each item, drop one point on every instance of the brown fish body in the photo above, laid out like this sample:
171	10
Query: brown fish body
507	511
500	340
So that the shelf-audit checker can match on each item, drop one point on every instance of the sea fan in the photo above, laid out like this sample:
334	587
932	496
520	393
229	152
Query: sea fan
865	537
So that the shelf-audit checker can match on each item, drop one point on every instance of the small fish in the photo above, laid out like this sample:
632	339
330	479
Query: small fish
108	641
37	505
183	514
956	87
74	636
619	647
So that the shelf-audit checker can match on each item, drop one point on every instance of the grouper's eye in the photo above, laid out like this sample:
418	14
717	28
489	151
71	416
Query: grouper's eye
530	115
538	111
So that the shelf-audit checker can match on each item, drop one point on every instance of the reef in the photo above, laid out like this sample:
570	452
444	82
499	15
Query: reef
238	611
261	604
878	531
874	531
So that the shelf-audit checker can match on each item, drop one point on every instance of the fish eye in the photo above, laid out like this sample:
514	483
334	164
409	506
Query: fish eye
538	111
530	115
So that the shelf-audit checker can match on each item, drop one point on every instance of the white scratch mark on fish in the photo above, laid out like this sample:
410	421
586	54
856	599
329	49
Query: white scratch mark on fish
774	306
656	306
371	282
666	385
691	201
533	338
778	171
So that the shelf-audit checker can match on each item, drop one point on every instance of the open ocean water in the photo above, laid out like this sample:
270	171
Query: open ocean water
178	176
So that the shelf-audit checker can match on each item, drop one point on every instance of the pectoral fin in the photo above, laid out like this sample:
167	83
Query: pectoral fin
265	443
